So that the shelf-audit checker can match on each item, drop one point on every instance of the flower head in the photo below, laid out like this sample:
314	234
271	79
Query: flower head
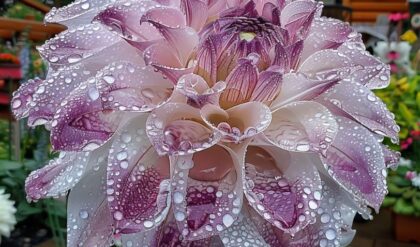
7	215
187	122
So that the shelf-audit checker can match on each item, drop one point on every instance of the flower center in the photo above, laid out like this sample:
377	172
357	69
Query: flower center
247	36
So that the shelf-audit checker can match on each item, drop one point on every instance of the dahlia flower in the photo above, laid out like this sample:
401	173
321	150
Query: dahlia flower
209	123
7	215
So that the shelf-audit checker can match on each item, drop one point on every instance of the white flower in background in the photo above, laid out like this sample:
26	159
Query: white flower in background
416	181
7	214
405	162
396	54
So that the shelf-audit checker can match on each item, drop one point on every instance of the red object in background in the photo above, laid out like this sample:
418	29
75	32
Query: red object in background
10	71
8	58
406	228
398	16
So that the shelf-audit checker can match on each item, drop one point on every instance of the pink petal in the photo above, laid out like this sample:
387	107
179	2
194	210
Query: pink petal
163	58
298	87
297	16
89	221
77	13
56	178
241	83
339	66
327	33
127	87
361	104
371	71
288	184
197	91
174	129
355	160
302	126
392	157
207	60
138	185
207	197
288	57
233	125
23	97
196	12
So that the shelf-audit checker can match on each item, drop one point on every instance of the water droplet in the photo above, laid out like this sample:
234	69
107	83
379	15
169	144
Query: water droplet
122	155
53	59
148	224
109	79
325	218
85	6
302	147
84	214
330	234
313	204
74	58
16	103
118	215
227	220
93	93
178	197
179	216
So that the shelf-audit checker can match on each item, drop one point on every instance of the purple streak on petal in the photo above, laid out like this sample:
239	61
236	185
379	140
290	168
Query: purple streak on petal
301	127
356	161
207	59
288	184
297	17
268	85
288	57
196	12
361	104
137	181
23	98
392	157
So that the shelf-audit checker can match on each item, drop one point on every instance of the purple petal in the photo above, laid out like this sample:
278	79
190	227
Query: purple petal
77	13
288	57
288	183
174	129
233	125
248	234
297	16
56	178
137	181
207	196
23	97
371	71
302	126
241	83
355	160
392	157
89	221
195	12
361	104
268	85
207	60
126	87
298	87
197	91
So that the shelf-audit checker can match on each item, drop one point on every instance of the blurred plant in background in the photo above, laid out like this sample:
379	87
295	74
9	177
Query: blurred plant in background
7	217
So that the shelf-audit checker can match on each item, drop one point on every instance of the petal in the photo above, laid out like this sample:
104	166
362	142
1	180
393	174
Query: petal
52	91
327	33
361	104
163	58
233	125
297	16
371	71
241	82
81	122
85	44
89	221
138	185
282	187
268	85
76	13
207	197
339	66
288	57
248	234
392	157
56	178
302	126
23	97
355	160
174	129
207	55
195	12
197	91
128	87
298	87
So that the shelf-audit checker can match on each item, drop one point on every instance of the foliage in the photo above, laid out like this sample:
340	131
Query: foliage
402	97
21	11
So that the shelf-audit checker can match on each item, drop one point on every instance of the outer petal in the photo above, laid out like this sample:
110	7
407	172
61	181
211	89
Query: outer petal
356	161
298	87
361	104
138	185
392	158
77	13
302	126
297	16
371	71
207	196
126	86
237	123
174	129
89	221
22	98
196	12
282	187
56	178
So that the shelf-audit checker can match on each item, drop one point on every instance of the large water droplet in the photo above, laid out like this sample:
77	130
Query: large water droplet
228	220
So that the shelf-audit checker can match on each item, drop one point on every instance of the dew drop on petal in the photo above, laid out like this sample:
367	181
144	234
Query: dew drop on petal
227	220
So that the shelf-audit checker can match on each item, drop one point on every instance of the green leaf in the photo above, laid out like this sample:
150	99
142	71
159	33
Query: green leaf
405	112
25	208
6	165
